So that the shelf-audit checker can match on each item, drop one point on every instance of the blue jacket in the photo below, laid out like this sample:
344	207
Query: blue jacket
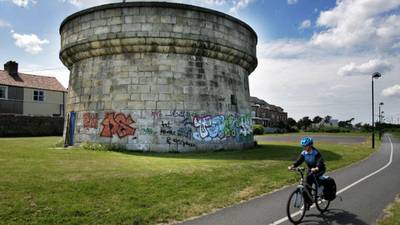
312	159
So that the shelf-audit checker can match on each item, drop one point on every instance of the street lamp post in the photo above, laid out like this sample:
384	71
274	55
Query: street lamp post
375	75
380	121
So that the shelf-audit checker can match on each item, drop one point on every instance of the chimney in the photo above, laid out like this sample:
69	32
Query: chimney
12	68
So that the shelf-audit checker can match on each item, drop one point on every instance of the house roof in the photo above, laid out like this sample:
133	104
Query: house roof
31	81
264	104
256	100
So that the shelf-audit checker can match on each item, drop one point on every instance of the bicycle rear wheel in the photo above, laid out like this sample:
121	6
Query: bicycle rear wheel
295	207
321	203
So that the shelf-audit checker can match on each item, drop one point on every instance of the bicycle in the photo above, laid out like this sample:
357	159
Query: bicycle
296	207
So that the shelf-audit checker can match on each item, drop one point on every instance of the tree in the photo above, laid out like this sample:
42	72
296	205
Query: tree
358	126
346	123
304	122
327	119
366	127
317	119
291	122
342	124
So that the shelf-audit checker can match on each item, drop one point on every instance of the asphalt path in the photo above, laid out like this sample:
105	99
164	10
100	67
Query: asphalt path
366	188
336	139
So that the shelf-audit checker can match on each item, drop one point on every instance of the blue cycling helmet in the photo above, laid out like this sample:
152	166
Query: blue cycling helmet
306	141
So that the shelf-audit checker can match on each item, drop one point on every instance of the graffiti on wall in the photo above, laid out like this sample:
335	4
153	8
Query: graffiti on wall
220	127
205	128
178	127
178	141
147	131
90	120
117	124
156	114
208	128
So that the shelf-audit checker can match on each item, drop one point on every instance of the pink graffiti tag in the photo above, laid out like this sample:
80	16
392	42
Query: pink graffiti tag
156	114
117	123
90	120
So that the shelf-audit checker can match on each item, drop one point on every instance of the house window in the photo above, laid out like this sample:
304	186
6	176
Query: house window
38	95
3	92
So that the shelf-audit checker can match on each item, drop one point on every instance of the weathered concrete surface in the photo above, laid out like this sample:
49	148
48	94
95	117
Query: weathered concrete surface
159	76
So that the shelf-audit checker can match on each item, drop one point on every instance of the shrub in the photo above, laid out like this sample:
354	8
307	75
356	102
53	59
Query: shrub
258	129
292	129
101	147
94	146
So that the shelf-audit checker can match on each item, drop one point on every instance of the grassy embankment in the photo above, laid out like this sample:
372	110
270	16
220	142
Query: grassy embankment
43	185
392	214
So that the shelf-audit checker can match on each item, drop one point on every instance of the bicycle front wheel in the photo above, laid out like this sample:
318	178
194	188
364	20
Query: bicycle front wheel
295	207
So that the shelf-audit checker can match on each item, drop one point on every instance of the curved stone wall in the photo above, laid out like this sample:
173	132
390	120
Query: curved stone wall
159	76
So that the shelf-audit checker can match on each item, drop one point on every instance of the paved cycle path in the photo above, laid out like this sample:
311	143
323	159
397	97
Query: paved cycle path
336	139
362	204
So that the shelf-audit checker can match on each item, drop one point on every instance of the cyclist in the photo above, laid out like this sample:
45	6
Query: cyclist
314	161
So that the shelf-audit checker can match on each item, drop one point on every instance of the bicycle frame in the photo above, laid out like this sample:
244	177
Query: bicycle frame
303	187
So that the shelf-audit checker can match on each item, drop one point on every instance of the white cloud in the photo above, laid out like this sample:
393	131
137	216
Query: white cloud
356	23
22	3
4	23
86	3
239	4
215	2
305	24
292	2
235	5
31	43
396	45
365	69
393	91
283	48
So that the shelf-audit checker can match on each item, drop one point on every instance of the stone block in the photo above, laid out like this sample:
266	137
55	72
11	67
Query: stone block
165	105
136	105
150	105
139	89
149	97
164	97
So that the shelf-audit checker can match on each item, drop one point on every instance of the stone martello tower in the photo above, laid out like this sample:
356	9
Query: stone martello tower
158	76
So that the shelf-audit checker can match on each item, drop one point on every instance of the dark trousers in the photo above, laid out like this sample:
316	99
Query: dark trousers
310	179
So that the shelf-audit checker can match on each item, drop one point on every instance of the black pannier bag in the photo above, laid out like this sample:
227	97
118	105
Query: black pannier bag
329	188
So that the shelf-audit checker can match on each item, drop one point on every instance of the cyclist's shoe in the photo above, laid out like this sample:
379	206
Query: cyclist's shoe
308	205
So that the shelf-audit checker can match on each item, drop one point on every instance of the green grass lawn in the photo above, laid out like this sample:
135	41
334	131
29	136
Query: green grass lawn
396	134
392	214
43	185
302	133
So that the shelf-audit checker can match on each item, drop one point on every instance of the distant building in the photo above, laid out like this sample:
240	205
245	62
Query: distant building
266	114
331	123
26	94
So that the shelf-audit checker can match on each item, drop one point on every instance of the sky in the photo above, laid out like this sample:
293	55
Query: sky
315	57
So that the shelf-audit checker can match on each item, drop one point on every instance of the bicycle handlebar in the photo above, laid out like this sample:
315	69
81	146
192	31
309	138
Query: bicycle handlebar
298	169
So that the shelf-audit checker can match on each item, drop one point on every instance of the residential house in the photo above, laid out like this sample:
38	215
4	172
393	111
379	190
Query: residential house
27	94
266	114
